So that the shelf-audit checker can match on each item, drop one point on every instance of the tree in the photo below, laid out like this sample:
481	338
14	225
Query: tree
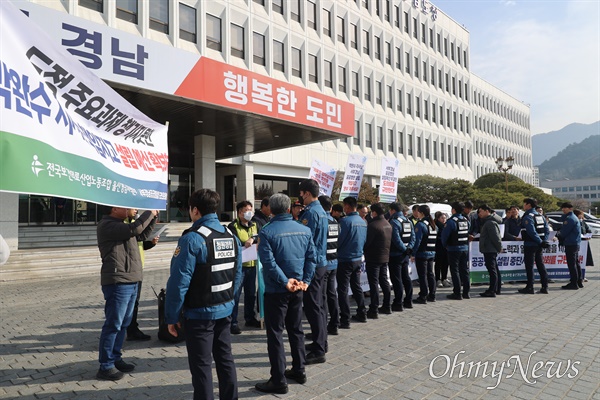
420	189
494	179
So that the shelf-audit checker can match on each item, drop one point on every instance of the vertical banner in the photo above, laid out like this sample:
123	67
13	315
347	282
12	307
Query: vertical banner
66	133
355	169
388	183
324	174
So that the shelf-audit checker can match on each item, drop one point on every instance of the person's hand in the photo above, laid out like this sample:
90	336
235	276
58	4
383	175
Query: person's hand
172	328
412	259
154	213
292	285
302	286
554	239
471	237
248	243
155	240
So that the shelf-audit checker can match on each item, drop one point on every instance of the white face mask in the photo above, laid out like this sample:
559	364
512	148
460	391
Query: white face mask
248	215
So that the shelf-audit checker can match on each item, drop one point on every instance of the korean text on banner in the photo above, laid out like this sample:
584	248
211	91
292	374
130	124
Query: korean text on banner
64	132
324	174
512	266
355	169
388	185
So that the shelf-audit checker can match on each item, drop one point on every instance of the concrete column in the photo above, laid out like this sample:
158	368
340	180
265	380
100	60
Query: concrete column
9	219
245	182
204	162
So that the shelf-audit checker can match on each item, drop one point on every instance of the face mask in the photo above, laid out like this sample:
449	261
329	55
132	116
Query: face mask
301	199
248	215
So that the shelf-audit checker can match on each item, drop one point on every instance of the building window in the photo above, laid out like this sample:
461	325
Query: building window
416	67
452	51
237	41
377	7
367	88
378	48
326	22
448	118
415	29
433	111
342	79
424	72
259	49
431	37
441	115
295	10
355	84
418	106
449	154
446	47
399	104
213	32
400	142
440	80
187	23
312	69
435	150
159	15
423	33
439	43
397	14
366	44
328	74
378	95
456	155
458	54
354	36
407	63
277	6
454	85
366	4
432	75
426	110
427	149
96	5
380	137
406	24
447	83
409	103
296	62
127	10
311	15
341	30
368	136
390	140
455	119
442	147
389	96
410	144
278	56
357	133
261	2
388	53
398	58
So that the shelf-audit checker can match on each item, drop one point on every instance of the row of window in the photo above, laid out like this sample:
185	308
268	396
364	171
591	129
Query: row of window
501	131
493	151
575	189
503	110
420	32
411	145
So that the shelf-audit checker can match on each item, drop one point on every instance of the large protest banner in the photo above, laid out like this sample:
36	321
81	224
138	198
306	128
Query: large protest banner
324	174
66	133
388	183
355	169
511	263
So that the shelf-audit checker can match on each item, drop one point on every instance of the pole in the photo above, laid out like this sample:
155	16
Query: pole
506	180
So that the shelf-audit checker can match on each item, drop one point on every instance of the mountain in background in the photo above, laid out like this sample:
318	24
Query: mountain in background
546	145
576	161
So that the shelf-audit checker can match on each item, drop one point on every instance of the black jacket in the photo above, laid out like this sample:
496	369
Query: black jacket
379	240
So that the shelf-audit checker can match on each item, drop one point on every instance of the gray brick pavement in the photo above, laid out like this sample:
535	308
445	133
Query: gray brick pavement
50	332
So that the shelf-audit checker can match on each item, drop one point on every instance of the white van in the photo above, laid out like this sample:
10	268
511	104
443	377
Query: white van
435	207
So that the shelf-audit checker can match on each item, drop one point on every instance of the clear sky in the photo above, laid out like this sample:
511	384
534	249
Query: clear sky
545	53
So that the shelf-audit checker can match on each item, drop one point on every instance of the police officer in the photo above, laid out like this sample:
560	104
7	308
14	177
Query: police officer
287	254
534	231
425	238
570	237
351	241
206	272
403	241
315	218
332	264
455	238
377	256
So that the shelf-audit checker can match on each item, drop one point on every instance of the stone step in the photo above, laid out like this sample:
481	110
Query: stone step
66	262
67	236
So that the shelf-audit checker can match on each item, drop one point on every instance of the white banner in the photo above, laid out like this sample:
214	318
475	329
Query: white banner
64	132
355	169
324	174
388	183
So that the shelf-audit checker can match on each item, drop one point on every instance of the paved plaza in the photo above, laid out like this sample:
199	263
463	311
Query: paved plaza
513	346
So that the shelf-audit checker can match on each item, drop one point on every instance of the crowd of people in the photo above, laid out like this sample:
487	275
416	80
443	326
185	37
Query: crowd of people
311	254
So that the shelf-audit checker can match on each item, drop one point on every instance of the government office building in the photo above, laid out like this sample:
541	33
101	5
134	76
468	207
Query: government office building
255	90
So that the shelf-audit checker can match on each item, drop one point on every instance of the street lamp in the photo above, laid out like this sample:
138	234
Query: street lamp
505	166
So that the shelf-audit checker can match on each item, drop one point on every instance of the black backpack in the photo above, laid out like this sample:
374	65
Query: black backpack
163	331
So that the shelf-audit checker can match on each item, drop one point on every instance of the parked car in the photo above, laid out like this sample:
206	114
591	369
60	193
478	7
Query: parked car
555	220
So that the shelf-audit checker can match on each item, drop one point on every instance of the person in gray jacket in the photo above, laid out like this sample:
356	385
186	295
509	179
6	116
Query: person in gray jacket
490	244
120	274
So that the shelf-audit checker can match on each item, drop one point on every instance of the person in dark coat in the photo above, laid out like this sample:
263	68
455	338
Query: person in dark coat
377	256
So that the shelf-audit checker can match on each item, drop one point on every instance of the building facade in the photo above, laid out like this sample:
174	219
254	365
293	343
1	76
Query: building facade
401	67
587	189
